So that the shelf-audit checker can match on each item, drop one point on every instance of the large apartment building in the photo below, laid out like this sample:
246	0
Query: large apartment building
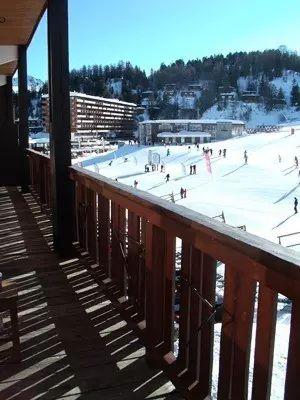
92	115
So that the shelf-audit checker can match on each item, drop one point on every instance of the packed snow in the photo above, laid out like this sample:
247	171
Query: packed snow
258	194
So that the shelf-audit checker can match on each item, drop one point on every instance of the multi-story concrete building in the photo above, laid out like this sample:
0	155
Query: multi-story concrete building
92	115
217	129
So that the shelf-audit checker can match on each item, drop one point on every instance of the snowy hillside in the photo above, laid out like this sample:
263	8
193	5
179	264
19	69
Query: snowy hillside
253	114
259	195
34	84
286	83
256	114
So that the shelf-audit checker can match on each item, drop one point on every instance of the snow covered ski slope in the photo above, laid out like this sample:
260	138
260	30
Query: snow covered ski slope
259	195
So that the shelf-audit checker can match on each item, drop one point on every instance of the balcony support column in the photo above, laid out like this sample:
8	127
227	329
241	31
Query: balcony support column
23	119
9	160
60	129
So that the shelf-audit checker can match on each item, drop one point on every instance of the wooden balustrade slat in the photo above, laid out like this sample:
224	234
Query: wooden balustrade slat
159	288
133	258
227	332
117	244
169	285
209	268
264	343
239	300
81	214
104	234
184	308
292	385
91	224
155	250
196	317
142	274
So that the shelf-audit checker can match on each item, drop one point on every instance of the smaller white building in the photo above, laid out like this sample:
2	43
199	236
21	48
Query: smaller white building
184	137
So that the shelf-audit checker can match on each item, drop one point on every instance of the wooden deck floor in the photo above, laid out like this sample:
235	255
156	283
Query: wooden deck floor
74	343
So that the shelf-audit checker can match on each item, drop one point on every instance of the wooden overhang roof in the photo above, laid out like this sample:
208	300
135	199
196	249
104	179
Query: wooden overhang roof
18	22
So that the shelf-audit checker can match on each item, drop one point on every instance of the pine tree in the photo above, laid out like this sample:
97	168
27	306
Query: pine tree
280	95
295	95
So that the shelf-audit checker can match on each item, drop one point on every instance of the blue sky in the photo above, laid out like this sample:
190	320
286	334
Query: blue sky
150	32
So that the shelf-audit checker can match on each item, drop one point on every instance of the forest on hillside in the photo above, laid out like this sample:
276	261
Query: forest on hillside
260	67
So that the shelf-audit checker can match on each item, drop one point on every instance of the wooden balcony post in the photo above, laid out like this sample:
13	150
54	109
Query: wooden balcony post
9	161
23	118
60	129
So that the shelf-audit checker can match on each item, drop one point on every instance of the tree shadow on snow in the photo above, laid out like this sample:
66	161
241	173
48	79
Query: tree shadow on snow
287	194
231	172
282	222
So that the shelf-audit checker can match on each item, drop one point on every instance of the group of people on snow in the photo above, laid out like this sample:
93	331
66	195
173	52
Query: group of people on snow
222	151
207	150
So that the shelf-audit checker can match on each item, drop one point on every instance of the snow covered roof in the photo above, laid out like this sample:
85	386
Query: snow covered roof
193	121
87	96
184	134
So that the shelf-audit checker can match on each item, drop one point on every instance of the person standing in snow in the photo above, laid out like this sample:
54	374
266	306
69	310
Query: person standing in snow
211	151
191	169
194	169
224	153
167	177
135	184
246	157
296	205
184	193
220	153
279	158
296	162
181	192
168	152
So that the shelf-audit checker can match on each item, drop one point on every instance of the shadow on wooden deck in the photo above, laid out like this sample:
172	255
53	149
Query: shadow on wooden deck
74	343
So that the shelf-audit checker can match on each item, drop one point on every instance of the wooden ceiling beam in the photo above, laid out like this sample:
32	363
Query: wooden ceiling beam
9	68
19	19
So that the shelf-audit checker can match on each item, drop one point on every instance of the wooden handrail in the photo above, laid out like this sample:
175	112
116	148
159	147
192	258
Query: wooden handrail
221	241
133	237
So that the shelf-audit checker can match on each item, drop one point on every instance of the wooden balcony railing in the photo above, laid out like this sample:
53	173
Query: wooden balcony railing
134	237
39	169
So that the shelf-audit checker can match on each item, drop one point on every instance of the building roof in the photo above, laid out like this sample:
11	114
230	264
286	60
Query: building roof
184	134
193	121
19	19
87	96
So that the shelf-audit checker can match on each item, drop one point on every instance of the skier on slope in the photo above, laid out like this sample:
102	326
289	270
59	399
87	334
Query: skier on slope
135	184
168	152
167	177
224	153
295	205
296	162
